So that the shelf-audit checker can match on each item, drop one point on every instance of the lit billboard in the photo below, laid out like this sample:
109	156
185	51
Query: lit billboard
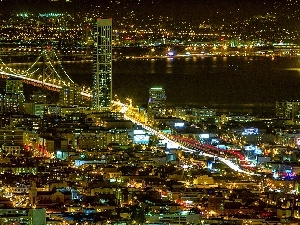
250	131
141	139
179	124
135	132
204	136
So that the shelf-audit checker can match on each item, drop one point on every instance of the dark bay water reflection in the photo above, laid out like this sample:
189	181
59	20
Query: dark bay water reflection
206	80
209	81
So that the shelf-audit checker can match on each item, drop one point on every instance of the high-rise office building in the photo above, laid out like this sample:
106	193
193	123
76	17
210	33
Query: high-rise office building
288	109
69	96
156	102
102	57
38	97
14	97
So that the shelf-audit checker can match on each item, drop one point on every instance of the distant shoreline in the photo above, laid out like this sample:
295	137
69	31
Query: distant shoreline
20	60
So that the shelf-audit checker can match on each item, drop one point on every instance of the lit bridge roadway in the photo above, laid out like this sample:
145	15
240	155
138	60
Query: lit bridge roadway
51	76
41	83
201	150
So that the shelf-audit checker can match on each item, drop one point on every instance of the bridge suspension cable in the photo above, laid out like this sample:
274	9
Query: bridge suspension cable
48	76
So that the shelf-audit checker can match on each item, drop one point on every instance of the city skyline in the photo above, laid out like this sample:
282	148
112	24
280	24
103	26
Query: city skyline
267	20
149	112
174	8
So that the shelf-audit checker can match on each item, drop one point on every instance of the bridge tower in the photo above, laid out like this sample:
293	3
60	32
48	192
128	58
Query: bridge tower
47	72
52	70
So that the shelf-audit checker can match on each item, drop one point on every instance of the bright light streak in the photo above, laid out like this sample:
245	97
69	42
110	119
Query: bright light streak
40	82
229	163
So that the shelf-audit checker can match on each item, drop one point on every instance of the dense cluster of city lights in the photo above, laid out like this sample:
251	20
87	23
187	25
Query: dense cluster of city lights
229	163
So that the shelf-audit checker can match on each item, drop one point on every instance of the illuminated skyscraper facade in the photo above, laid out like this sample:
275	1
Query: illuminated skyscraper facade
70	96
288	109
156	102
102	59
14	98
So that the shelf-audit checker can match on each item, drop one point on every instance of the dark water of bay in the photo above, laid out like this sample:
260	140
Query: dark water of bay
226	82
203	80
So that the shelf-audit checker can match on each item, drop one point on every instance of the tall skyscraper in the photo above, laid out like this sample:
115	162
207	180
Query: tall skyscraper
102	57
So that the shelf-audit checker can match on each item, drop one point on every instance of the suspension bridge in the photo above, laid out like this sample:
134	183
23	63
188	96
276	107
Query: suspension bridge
45	72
